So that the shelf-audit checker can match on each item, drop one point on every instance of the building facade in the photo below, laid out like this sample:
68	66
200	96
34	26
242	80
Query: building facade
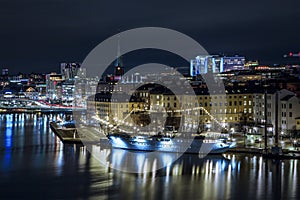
204	64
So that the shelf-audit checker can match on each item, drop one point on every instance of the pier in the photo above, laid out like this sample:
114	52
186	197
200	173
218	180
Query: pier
76	135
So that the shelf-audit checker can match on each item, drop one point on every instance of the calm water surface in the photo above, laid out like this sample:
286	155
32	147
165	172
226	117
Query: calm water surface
34	164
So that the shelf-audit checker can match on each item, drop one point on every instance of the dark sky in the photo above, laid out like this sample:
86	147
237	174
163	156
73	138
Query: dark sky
36	35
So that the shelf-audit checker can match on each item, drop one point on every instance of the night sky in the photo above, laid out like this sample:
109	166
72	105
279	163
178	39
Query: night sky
36	35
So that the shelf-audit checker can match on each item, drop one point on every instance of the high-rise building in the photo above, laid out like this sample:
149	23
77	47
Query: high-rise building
53	86
69	70
205	64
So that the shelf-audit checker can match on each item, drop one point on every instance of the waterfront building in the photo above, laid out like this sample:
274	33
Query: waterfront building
115	108
290	106
213	110
288	110
231	110
297	123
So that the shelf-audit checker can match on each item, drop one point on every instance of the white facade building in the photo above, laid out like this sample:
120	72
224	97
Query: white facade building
288	109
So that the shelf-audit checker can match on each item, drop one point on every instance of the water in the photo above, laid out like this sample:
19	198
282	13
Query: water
34	164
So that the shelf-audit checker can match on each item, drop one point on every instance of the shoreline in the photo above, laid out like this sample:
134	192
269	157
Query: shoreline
39	110
70	136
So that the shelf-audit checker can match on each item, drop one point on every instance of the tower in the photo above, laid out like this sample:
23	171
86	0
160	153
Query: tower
119	69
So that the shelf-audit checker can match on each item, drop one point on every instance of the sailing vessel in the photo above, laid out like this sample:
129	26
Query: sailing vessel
199	144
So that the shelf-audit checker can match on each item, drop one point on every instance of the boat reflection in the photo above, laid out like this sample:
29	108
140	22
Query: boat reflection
160	163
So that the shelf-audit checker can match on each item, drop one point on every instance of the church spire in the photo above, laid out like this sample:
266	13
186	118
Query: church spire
119	57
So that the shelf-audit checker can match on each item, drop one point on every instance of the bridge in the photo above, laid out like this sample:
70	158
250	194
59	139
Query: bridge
28	105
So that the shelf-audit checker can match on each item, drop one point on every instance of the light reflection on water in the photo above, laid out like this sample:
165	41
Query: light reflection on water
35	164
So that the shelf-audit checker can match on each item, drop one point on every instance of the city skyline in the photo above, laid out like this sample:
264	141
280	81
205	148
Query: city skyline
155	56
149	99
39	35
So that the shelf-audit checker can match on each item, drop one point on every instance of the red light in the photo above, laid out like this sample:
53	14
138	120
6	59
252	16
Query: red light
291	54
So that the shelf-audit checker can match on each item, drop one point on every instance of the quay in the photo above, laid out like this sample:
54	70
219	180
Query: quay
286	153
75	135
66	135
91	136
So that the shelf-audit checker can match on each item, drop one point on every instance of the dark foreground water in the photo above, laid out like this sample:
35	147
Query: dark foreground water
34	164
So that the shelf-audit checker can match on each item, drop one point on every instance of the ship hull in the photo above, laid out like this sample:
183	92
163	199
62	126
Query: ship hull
195	146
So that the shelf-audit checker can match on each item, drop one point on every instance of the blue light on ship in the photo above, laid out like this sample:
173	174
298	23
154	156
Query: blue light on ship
139	139
118	141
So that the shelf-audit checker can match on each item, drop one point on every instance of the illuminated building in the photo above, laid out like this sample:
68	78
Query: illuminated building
204	64
69	70
233	63
5	72
67	97
41	88
214	110
288	107
230	110
114	108
53	86
251	64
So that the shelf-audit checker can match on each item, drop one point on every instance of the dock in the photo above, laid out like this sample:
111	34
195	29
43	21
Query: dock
245	150
92	136
76	135
286	154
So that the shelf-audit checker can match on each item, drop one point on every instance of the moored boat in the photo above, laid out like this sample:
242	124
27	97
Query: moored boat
199	144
